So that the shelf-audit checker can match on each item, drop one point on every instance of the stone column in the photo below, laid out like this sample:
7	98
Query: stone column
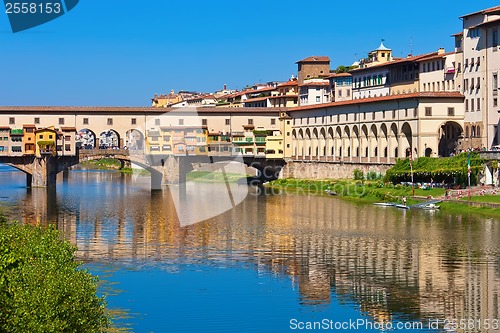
44	171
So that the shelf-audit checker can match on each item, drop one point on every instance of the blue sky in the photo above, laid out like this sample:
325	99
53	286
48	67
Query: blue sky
121	52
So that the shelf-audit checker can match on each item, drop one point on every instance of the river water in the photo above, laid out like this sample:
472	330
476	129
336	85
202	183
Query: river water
276	262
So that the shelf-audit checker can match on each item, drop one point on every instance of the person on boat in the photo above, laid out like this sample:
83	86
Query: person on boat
404	200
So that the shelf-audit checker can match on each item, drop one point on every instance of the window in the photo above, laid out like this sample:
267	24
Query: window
478	61
471	83
12	121
157	122
466	105
318	99
51	136
67	137
228	121
373	115
250	121
37	120
495	83
181	121
494	41
67	147
415	112
110	121
348	93
472	104
40	136
340	93
451	112
133	121
478	104
166	138
495	102
61	121
428	111
204	122
85	121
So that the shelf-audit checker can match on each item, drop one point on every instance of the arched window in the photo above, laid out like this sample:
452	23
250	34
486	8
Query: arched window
467	131
478	131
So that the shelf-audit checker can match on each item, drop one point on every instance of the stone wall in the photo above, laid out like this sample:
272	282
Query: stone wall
322	170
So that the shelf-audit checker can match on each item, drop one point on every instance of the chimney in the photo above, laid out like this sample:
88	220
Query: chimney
440	51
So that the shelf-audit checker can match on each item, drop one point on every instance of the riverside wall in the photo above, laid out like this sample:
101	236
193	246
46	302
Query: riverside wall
324	170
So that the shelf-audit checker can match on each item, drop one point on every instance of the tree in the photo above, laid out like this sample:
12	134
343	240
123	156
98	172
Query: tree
42	287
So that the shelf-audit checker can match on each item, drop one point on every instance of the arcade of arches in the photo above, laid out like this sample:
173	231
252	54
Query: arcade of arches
373	142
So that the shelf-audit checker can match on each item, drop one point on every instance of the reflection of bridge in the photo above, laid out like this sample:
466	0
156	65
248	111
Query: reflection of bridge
164	169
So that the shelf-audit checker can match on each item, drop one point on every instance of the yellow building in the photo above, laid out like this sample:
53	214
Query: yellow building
287	95
29	139
274	144
46	141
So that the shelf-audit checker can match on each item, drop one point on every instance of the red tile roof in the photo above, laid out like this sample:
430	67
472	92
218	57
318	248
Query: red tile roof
339	75
436	56
289	84
129	110
488	23
257	99
314	59
258	91
458	34
312	84
29	126
381	99
484	11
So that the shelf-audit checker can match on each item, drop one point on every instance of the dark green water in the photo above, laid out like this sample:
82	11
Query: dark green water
274	263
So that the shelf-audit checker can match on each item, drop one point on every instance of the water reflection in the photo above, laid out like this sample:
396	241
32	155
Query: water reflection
410	265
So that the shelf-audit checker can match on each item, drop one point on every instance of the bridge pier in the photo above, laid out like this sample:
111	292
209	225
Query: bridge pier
175	170
44	171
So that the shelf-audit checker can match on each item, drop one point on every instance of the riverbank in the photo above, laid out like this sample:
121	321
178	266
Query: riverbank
378	191
214	177
108	164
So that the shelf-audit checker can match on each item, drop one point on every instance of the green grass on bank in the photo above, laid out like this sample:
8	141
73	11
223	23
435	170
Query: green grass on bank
484	198
368	190
109	164
464	209
214	177
377	191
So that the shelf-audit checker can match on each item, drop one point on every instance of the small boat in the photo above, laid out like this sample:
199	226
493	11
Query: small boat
401	206
384	204
331	192
430	207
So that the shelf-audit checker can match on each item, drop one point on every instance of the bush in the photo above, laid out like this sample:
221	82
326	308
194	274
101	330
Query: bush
358	174
372	175
42	288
